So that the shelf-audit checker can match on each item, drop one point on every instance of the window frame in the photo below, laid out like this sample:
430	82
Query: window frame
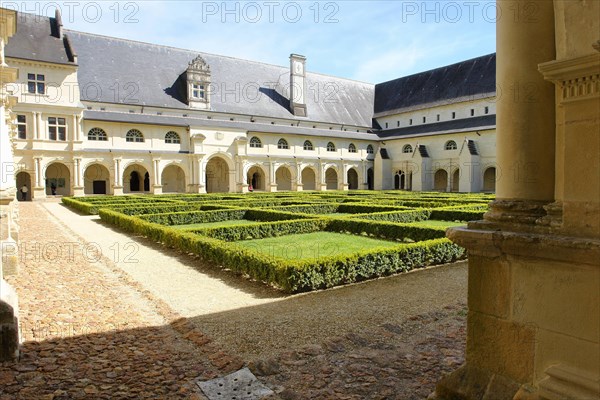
308	145
134	135
370	149
451	145
99	135
199	90
352	148
255	142
172	137
283	144
21	126
331	147
407	149
57	130
36	83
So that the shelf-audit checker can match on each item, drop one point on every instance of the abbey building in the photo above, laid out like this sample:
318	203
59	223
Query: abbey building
100	115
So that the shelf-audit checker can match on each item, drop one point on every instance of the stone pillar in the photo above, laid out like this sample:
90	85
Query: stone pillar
39	190
272	185
157	185
78	188
201	176
533	328
344	177
36	130
41	133
118	186
299	184
525	110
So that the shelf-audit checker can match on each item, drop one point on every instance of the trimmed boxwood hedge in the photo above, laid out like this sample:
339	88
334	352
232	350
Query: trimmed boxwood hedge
294	275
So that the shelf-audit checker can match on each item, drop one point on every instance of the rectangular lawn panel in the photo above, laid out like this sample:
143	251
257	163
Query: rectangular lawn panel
314	245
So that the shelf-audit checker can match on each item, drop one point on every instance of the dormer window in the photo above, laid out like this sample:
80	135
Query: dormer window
198	83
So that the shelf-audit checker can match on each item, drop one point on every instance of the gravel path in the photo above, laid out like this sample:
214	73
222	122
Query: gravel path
111	316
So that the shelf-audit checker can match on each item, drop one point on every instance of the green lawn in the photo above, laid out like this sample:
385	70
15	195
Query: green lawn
437	224
314	245
215	224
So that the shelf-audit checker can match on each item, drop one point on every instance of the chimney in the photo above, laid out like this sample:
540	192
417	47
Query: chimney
59	24
298	85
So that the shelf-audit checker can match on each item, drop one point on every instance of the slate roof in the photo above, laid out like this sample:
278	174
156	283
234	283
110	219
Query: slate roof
152	75
454	125
37	39
466	79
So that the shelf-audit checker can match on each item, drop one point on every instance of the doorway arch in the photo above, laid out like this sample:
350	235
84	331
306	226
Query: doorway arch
58	179
309	179
172	179
352	177
256	178
331	179
283	178
440	180
96	179
136	179
24	178
217	175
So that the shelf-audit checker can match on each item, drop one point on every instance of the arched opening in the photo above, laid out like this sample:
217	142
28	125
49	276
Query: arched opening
331	179
440	180
96	179
58	180
352	179
489	180
370	179
256	178
24	179
456	180
217	176
309	179
134	179
403	180
283	178
172	179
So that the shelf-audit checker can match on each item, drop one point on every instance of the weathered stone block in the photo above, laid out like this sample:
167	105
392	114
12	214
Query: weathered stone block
489	286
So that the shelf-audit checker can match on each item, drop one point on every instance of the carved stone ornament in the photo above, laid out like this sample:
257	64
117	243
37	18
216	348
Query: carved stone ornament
198	64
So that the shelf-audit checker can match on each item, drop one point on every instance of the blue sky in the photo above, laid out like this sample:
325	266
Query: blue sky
371	41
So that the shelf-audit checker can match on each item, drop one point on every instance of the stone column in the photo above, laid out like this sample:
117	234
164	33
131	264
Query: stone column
525	124
201	176
41	134
78	189
157	185
299	184
272	186
36	132
118	186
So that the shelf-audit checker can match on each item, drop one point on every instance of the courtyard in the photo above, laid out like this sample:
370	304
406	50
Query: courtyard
106	314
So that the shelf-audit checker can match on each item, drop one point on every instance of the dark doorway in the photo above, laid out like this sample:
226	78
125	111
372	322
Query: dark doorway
134	182
370	179
99	187
147	182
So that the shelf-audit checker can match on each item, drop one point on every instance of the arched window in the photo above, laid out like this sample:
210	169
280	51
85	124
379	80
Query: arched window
172	137
282	144
330	146
352	148
134	136
308	145
407	148
370	149
97	134
255	142
450	145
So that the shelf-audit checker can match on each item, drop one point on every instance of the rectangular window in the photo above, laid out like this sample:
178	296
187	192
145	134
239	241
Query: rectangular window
57	128
386	125
424	119
486	110
36	83
472	112
398	123
198	91
453	115
438	117
410	121
21	127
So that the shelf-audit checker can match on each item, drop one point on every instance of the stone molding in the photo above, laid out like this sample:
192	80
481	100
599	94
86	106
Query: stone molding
565	382
578	78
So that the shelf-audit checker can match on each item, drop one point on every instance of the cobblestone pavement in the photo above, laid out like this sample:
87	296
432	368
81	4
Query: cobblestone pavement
91	331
